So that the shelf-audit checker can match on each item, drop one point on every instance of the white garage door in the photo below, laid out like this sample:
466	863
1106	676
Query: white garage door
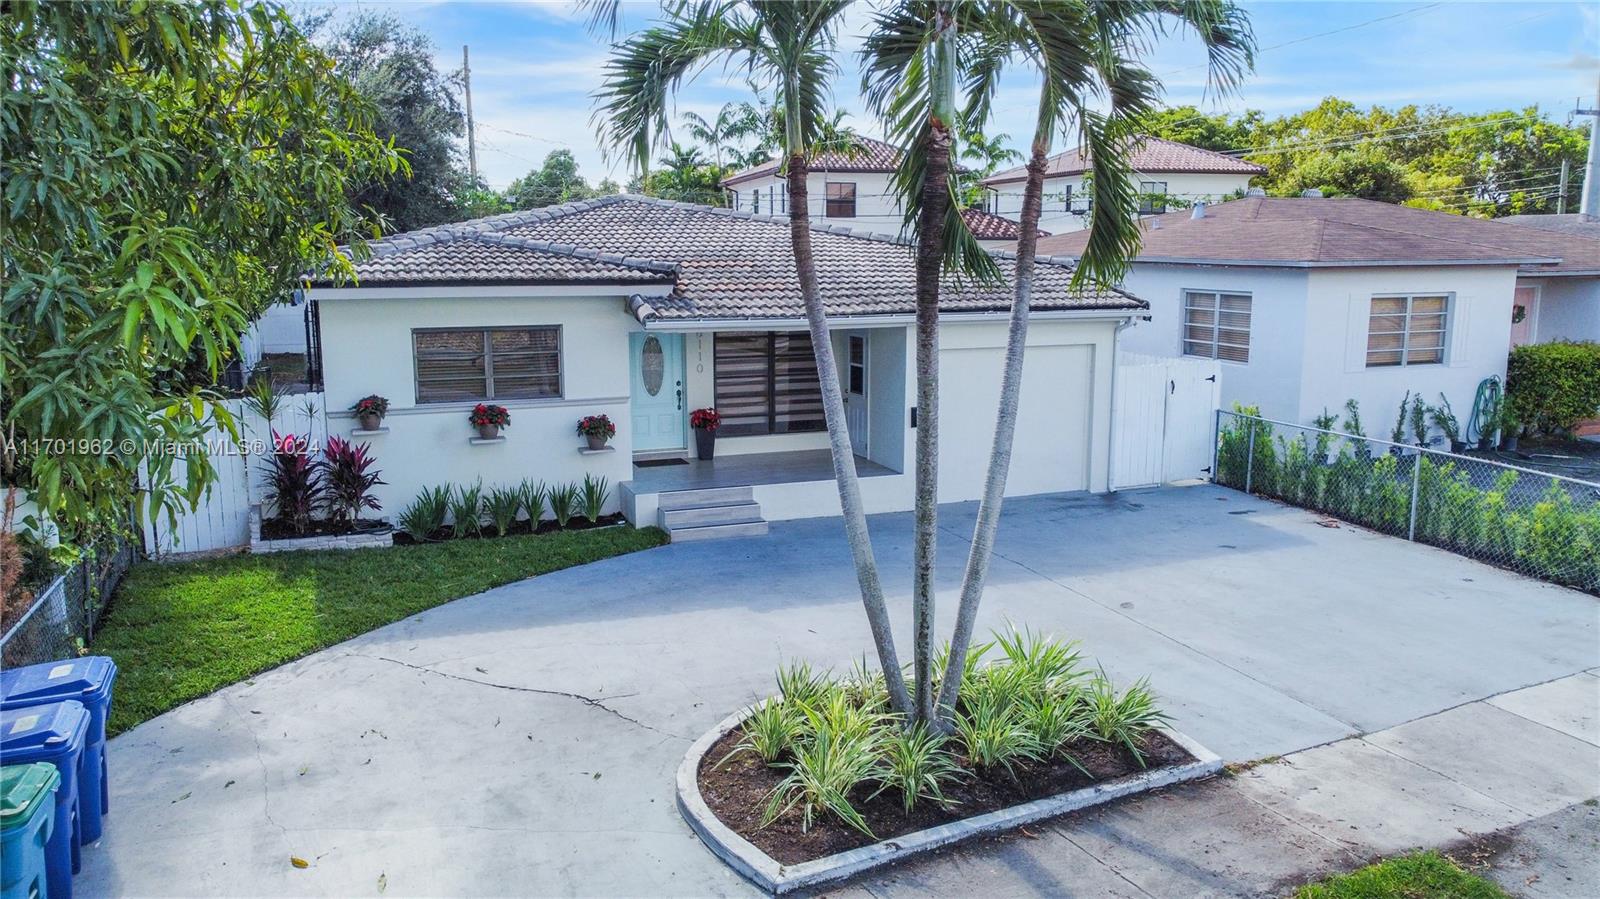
1051	451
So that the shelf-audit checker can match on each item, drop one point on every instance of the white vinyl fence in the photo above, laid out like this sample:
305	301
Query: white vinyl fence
1163	414
222	518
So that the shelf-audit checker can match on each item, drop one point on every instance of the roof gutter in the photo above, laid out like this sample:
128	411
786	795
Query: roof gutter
1367	263
876	321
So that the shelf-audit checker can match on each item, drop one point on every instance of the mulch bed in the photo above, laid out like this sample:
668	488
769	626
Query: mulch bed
575	523
276	529
737	792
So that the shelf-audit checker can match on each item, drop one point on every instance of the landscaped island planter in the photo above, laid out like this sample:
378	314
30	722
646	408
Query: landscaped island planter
722	803
320	535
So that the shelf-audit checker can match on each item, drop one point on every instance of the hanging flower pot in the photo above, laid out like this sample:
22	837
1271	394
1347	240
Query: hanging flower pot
596	429
705	423
489	419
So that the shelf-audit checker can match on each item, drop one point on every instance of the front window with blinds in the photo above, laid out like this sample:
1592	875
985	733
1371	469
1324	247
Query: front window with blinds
1407	330
467	365
766	383
1216	325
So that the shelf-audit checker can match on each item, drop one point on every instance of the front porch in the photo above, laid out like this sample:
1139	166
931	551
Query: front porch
745	470
736	494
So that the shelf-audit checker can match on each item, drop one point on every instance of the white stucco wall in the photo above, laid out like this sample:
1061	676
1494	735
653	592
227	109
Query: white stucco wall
1568	308
877	207
1006	199
1334	366
282	329
367	348
1308	334
1277	327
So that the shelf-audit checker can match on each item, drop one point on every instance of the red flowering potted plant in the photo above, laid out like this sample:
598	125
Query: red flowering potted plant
489	419
705	423
370	411
597	429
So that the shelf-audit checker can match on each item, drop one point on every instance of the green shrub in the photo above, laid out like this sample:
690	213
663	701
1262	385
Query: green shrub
771	730
502	505
840	753
1123	718
466	511
1551	386
992	729
592	496
917	763
563	502
533	497
427	512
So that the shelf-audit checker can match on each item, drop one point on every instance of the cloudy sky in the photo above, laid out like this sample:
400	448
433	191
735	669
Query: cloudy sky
535	66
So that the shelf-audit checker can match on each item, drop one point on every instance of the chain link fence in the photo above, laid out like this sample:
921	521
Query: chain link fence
62	618
1531	522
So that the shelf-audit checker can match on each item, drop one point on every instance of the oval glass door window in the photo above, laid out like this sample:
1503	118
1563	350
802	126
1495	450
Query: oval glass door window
652	364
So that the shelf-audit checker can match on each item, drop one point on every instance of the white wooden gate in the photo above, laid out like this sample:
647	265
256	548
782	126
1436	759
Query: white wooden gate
1162	417
221	520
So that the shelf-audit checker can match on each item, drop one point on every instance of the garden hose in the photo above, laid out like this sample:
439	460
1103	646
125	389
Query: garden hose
1485	409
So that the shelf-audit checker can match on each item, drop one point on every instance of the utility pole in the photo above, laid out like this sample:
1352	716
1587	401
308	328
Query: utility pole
472	138
1589	209
1561	192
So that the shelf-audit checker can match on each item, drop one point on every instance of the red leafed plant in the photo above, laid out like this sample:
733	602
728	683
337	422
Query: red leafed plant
705	419
294	488
596	426
489	414
348	481
371	405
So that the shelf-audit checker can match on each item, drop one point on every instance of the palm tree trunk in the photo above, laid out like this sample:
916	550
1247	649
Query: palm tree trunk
844	462
1005	428
929	264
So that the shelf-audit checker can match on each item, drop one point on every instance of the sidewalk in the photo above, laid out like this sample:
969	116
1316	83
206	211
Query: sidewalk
1521	769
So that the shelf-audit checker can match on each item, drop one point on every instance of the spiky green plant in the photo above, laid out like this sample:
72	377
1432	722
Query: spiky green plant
1123	718
991	728
839	754
427	512
1046	667
771	731
592	497
1056	722
563	500
801	684
918	763
466	510
502	504
533	497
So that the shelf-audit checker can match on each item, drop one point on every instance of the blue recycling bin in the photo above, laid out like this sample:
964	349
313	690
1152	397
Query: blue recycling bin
27	813
87	680
52	733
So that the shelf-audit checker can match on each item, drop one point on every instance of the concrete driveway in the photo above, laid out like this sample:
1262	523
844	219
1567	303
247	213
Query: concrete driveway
523	741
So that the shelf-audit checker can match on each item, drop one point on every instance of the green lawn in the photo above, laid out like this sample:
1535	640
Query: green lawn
181	630
1421	875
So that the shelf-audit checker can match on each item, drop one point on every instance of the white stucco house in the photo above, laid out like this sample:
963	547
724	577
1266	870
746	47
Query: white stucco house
1308	301
1163	169
853	190
645	310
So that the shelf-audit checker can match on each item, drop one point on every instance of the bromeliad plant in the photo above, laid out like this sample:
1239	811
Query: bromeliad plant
466	511
592	497
563	500
349	478
502	504
427	512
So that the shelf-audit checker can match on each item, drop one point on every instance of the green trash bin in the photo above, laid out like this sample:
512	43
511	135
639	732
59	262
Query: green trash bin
27	816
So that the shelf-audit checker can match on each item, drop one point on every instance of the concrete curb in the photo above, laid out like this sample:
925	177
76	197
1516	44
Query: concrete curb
778	879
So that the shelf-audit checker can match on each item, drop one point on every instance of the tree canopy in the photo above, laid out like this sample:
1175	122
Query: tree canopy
169	171
1485	164
557	181
391	64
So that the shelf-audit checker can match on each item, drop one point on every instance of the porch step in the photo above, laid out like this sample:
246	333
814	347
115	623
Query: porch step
710	513
695	516
713	531
706	496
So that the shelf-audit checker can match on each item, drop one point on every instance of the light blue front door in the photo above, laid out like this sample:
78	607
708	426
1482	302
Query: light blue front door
659	419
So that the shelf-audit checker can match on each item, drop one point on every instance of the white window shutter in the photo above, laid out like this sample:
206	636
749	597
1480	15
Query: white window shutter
1460	331
1355	340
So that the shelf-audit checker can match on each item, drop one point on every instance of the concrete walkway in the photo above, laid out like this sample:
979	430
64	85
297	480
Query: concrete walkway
1519	766
523	741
